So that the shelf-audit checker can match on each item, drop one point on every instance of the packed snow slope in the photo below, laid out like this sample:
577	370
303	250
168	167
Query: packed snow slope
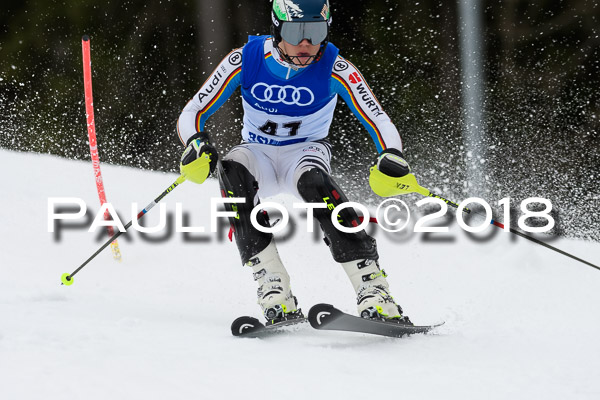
522	322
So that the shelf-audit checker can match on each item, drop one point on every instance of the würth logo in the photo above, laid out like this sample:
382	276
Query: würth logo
355	78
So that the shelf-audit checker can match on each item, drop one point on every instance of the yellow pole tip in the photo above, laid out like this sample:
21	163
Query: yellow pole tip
66	279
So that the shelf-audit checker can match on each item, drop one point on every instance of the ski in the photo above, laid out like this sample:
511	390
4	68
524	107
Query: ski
327	317
251	327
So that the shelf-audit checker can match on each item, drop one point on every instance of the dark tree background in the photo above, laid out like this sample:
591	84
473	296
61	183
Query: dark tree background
541	70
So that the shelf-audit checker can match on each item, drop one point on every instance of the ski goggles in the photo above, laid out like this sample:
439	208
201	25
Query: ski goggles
295	32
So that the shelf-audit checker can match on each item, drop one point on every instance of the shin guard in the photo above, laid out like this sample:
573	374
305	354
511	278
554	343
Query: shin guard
316	186
236	181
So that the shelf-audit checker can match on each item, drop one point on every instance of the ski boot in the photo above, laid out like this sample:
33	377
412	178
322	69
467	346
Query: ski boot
274	293
373	293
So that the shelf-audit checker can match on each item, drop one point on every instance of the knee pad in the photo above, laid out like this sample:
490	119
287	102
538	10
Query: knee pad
317	186
236	181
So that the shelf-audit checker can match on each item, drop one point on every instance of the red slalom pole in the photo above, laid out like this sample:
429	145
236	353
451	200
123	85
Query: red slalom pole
91	128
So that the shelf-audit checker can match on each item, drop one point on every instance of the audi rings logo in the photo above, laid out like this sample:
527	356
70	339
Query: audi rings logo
289	95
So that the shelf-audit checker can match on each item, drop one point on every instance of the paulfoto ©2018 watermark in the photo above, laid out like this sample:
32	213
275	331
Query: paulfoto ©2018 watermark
392	215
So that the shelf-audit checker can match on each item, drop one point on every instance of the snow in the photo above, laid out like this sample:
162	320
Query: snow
521	321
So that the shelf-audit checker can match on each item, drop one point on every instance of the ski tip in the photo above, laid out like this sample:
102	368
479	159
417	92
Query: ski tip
244	325
66	279
320	314
85	38
437	325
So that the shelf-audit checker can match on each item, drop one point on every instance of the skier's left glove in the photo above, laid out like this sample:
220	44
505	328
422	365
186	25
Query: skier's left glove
199	158
392	163
387	177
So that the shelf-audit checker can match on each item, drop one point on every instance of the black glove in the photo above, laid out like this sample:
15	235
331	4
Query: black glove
392	163
196	145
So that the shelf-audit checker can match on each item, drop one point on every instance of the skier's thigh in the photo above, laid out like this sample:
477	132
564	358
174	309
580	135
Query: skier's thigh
258	163
303	158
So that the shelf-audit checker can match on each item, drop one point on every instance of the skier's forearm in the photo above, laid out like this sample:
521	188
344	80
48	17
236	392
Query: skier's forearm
219	86
351	85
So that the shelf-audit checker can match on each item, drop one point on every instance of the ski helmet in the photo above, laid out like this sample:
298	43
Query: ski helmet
296	20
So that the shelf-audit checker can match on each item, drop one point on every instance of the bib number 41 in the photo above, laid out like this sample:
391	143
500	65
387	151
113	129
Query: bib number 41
272	128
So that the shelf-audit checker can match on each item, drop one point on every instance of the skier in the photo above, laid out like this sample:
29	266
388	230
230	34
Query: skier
289	82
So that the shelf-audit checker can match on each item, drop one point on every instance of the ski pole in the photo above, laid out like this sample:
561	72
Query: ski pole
408	184
67	279
521	234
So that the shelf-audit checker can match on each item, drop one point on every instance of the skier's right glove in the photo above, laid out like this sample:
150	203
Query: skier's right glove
199	158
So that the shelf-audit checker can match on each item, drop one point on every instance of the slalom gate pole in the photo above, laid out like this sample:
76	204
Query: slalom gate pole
410	185
91	128
67	279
